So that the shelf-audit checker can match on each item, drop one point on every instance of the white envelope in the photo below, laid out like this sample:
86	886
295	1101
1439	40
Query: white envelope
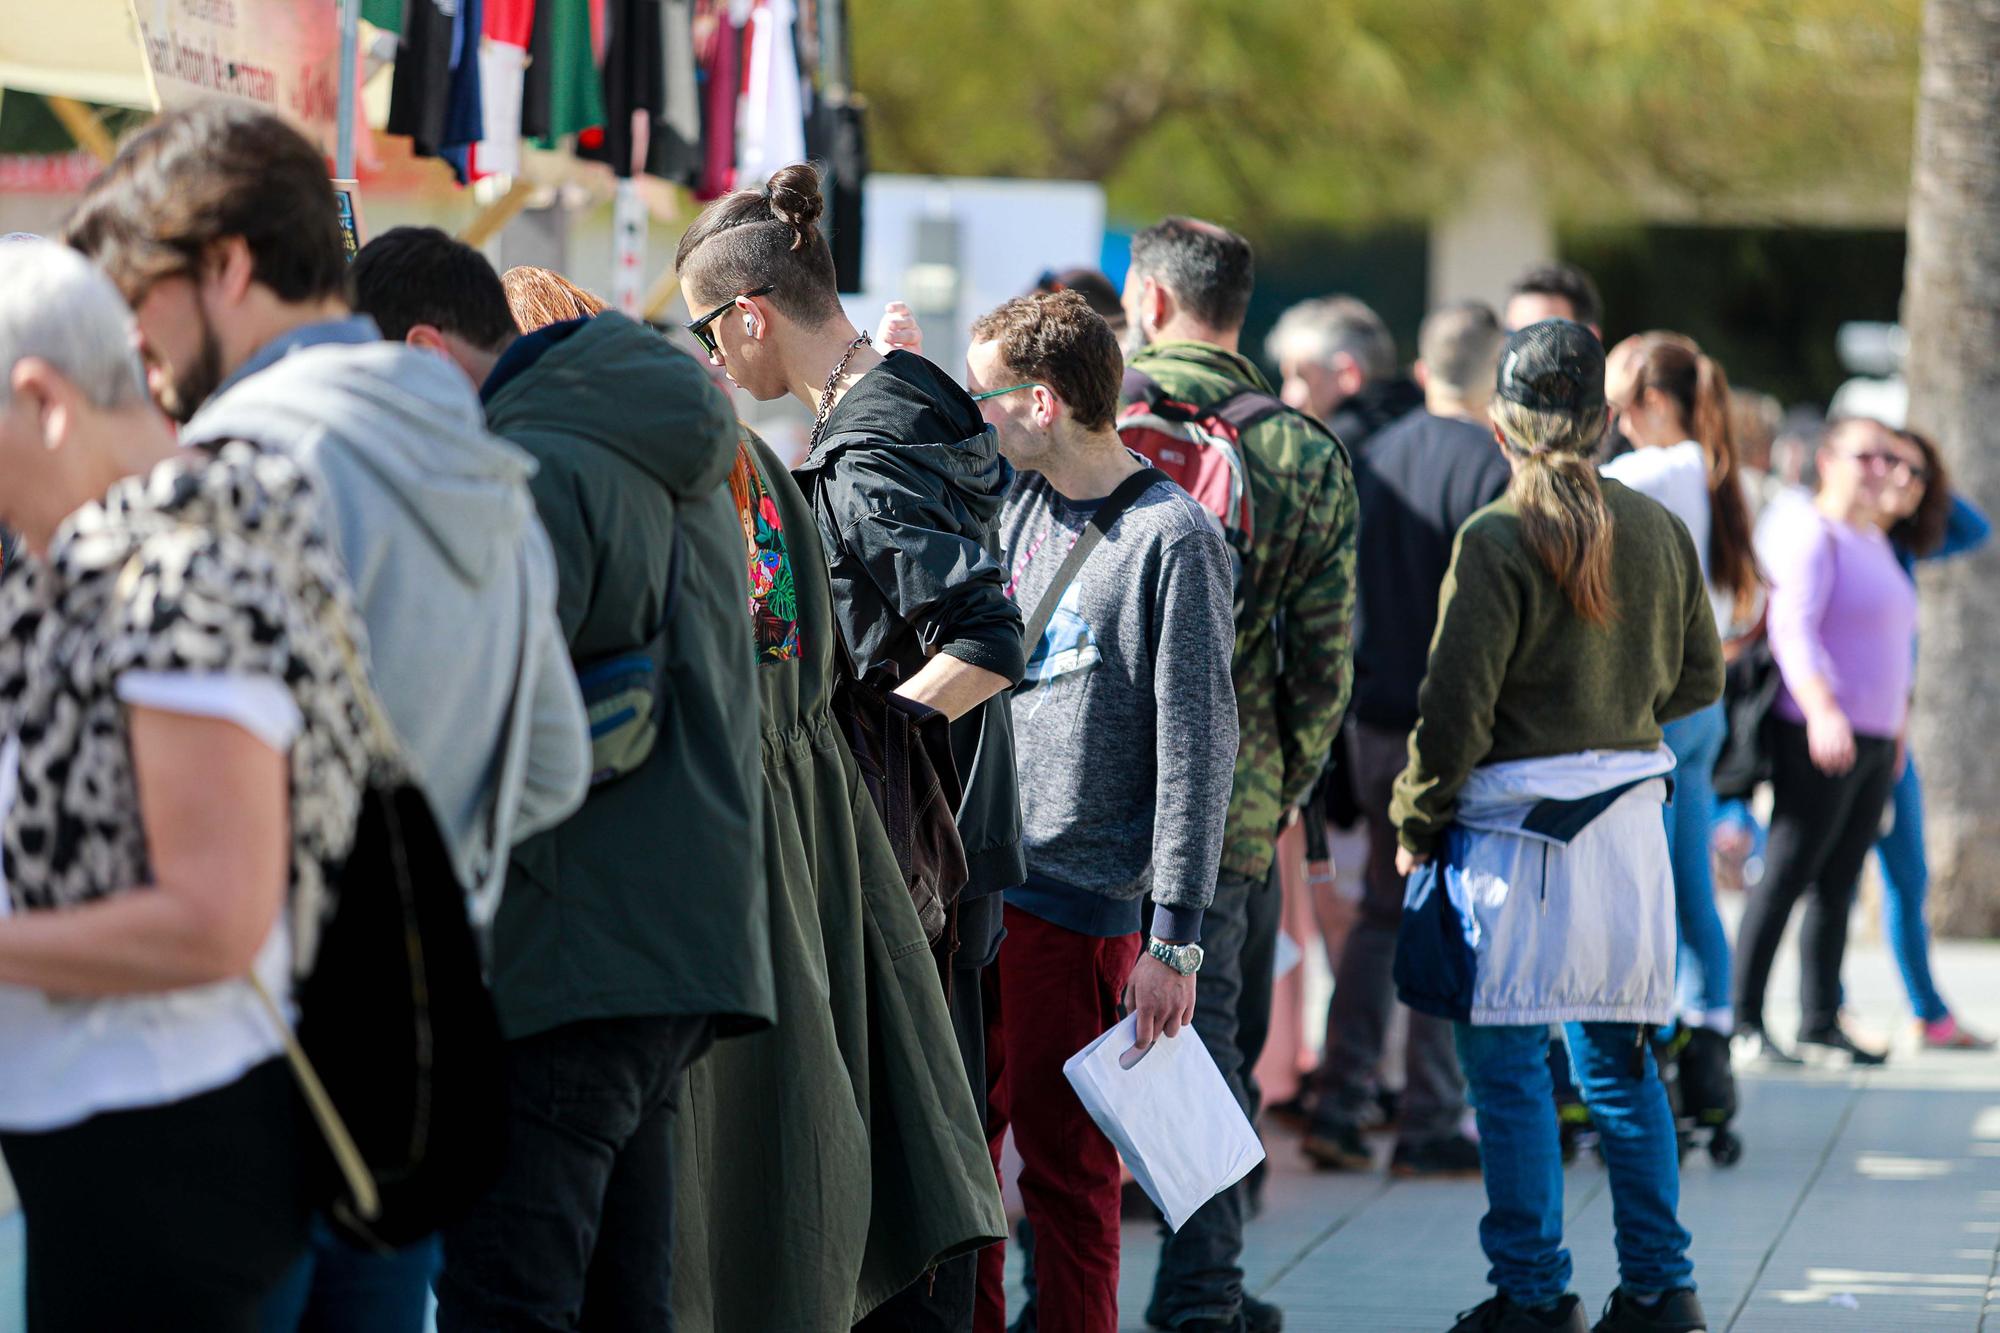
1170	1116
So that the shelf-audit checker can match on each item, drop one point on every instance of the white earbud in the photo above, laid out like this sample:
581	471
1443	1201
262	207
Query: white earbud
750	325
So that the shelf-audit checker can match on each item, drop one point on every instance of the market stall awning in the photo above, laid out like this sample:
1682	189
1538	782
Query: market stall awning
85	49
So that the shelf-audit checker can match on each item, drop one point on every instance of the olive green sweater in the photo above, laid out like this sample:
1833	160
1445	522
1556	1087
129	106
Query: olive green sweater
1516	674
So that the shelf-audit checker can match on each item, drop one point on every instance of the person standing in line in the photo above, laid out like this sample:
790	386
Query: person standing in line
1554	291
635	934
1926	520
1418	484
906	483
218	225
1186	296
1129	709
173	617
1672	406
1337	362
1843	623
1573	623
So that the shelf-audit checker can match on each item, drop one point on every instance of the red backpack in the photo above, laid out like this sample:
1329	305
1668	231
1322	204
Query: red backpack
1200	449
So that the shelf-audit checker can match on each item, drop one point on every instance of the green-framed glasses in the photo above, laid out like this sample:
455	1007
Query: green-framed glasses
1012	388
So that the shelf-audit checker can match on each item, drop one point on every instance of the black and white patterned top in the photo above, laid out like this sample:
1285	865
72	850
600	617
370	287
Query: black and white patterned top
210	564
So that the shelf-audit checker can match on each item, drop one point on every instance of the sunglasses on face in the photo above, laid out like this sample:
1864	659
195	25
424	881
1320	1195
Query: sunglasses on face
700	327
1012	388
1880	460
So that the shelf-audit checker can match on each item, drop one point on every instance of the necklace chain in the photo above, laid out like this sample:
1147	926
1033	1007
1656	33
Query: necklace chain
826	394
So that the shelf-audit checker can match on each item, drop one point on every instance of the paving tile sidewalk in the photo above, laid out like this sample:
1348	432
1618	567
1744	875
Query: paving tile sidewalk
1865	1202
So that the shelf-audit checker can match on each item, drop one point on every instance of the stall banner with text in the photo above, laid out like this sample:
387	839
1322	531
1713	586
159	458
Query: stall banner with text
282	54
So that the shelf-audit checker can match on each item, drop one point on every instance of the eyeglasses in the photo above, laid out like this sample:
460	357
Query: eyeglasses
1012	388
1885	461
699	327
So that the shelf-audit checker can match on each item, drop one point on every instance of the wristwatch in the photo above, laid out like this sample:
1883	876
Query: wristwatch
1182	958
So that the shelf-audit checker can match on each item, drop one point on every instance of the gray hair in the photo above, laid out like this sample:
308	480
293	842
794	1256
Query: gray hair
56	306
1321	329
1461	345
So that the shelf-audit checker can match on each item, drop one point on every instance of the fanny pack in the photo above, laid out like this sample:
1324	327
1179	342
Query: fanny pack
624	693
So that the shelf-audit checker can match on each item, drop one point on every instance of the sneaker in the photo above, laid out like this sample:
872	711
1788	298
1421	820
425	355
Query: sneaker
1261	1316
1947	1035
1337	1145
1834	1043
1501	1315
1754	1046
1678	1311
1437	1159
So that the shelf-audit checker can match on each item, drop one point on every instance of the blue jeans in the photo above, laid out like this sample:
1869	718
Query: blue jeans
337	1287
1704	975
1906	878
1507	1070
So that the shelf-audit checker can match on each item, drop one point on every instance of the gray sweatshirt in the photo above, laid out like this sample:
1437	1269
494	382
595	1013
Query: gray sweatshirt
452	573
1125	722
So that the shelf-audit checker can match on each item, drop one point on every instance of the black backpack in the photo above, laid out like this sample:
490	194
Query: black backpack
398	1049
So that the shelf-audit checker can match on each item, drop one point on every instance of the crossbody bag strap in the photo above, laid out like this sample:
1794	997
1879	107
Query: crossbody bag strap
1101	522
353	1167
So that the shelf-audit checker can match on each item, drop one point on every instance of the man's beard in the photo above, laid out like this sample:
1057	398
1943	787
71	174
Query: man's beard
188	387
1135	340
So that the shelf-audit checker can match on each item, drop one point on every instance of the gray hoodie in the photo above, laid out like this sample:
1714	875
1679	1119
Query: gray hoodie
452	572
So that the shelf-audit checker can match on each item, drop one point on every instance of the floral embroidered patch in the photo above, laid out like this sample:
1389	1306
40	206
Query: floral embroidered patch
774	600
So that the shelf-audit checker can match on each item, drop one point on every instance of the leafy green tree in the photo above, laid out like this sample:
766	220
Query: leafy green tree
1269	111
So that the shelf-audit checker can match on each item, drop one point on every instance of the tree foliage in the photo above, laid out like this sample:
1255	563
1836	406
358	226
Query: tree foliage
1366	110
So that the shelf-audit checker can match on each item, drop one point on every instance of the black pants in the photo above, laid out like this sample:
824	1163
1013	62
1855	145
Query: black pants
942	1301
176	1218
1201	1266
1821	829
578	1231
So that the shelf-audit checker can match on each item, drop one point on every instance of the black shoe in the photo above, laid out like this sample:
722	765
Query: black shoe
1439	1159
1758	1048
1337	1145
1501	1315
1296	1111
1261	1316
1834	1043
1679	1311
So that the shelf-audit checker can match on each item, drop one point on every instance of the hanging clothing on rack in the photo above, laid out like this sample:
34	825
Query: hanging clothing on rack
503	68
435	96
563	92
639	84
719	43
772	133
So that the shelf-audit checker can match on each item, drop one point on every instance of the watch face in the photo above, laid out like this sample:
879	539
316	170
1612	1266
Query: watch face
1195	957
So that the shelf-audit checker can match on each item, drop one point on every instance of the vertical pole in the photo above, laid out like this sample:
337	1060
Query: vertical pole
350	37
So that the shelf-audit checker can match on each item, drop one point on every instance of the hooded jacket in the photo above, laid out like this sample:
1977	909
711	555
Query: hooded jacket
453	576
651	900
1294	636
907	484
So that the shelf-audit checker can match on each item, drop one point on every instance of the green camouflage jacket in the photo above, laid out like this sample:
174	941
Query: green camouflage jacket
1294	637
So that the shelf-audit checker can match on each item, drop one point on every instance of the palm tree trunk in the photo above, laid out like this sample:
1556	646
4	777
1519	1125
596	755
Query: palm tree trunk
1952	312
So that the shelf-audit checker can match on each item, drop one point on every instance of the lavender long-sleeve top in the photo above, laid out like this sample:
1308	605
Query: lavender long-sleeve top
1843	609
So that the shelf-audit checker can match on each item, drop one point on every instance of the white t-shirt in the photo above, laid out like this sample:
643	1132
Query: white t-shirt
1677	477
64	1060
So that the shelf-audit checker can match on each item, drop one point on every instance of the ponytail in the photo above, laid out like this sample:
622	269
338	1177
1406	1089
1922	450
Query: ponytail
1677	367
1732	555
1564	519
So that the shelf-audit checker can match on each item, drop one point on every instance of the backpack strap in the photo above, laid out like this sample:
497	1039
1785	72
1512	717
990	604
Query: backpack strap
1139	387
1101	522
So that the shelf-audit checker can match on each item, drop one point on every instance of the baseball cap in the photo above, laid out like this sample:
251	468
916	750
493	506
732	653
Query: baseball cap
1553	366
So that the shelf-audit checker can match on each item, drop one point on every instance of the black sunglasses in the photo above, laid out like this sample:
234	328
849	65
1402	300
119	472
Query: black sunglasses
699	327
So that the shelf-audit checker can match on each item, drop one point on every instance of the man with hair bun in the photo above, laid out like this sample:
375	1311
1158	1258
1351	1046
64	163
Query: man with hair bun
1185	299
1129	709
906	483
